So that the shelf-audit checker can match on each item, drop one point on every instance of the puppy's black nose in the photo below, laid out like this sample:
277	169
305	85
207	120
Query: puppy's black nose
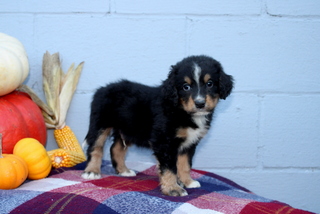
200	103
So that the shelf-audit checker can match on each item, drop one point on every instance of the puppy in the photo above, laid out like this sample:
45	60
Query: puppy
170	119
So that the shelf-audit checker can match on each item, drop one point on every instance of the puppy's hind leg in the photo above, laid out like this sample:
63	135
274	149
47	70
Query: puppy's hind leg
118	152
95	154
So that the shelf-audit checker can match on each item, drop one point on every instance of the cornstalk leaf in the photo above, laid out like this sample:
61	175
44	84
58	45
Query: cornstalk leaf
44	107
51	72
68	88
49	120
65	76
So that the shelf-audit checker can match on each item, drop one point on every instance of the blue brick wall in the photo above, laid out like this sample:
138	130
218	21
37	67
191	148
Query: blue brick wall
265	136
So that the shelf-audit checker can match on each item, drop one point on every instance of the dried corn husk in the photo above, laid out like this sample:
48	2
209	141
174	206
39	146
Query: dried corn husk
51	73
59	88
68	87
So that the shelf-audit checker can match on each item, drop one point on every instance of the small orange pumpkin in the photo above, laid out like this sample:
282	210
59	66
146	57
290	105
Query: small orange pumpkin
36	157
13	170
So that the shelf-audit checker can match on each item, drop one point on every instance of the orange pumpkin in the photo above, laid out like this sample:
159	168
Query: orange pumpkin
36	157
20	118
13	170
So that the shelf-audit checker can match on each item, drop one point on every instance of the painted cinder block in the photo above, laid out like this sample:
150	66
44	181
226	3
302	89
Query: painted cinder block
290	130
293	8
113	47
58	6
24	33
262	54
207	7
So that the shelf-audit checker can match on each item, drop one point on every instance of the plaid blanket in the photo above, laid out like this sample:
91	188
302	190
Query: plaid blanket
64	191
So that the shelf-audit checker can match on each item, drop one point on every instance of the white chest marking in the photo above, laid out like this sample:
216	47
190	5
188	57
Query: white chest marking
194	135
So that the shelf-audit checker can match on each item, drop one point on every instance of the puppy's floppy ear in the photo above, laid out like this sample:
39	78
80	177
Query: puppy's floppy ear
169	90
225	84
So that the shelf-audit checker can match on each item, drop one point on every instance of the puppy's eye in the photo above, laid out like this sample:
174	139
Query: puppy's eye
186	87
209	84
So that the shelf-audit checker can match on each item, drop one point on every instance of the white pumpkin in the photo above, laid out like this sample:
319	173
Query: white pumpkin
14	65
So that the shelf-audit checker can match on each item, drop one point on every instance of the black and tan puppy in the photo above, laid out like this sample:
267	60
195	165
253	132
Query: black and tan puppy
170	119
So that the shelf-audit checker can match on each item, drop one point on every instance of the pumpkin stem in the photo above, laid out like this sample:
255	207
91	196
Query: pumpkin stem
1	145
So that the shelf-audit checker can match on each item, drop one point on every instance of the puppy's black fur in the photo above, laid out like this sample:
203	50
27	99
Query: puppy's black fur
170	119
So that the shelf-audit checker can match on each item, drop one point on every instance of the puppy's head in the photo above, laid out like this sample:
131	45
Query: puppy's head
196	84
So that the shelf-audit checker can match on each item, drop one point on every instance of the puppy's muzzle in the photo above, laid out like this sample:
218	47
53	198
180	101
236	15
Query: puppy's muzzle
200	104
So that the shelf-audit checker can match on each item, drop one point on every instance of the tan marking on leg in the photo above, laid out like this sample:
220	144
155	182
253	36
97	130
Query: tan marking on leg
184	172
206	78
184	169
97	153
169	184
118	153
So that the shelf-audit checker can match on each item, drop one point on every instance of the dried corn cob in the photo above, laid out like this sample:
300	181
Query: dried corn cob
64	158
67	140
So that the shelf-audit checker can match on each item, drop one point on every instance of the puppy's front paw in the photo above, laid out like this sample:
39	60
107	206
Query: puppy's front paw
174	191
194	184
91	175
128	173
178	192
